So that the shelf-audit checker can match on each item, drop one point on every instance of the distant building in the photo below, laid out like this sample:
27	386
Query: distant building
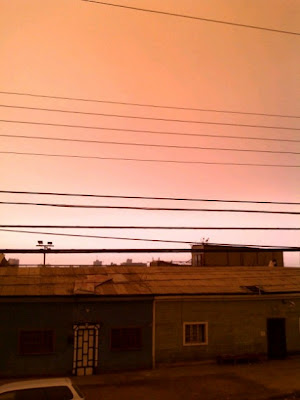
97	263
129	263
214	255
13	262
3	260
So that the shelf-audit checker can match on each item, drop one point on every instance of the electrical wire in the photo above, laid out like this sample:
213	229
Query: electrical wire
150	227
151	250
96	236
147	131
146	160
147	105
88	206
147	118
147	144
145	197
192	17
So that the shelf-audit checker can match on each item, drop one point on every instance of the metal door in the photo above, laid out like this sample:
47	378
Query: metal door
276	338
85	357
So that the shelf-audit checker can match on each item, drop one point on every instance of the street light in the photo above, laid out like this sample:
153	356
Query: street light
44	247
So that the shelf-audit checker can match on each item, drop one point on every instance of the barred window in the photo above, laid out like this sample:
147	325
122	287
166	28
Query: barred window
126	338
36	342
194	333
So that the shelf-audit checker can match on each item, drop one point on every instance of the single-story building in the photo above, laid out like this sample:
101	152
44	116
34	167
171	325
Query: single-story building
207	313
86	320
59	321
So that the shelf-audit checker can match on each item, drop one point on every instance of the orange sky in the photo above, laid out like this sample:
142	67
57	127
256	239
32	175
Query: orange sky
79	49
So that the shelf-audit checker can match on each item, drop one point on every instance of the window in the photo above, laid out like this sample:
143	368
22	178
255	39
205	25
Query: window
58	393
126	338
194	333
24	394
30	394
77	390
8	396
36	342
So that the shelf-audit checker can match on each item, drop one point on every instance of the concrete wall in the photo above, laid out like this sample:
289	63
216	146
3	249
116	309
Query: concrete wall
234	327
60	316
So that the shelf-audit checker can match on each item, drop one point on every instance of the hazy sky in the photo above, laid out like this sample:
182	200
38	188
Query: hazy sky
72	48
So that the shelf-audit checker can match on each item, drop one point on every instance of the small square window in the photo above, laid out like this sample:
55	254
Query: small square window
194	333
126	338
36	342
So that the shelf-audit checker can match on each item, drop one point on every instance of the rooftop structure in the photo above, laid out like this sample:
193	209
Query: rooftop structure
210	255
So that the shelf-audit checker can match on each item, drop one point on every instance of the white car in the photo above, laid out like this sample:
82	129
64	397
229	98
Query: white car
41	389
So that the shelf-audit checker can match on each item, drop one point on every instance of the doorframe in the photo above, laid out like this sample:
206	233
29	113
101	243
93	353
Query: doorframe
78	364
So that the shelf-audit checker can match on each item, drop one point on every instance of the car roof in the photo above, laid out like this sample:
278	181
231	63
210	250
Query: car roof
35	383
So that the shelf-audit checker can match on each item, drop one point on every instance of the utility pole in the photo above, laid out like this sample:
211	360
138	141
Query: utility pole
44	247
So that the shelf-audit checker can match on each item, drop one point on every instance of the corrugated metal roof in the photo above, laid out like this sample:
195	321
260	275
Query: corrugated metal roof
106	281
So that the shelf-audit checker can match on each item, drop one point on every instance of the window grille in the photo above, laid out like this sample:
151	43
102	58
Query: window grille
126	338
195	333
36	342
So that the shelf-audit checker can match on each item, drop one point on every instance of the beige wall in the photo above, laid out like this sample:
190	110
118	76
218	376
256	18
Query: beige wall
234	326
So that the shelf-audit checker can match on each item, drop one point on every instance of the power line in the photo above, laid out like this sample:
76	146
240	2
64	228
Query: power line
149	105
150	227
147	144
207	250
193	17
146	160
146	197
89	251
146	131
96	236
147	118
85	206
